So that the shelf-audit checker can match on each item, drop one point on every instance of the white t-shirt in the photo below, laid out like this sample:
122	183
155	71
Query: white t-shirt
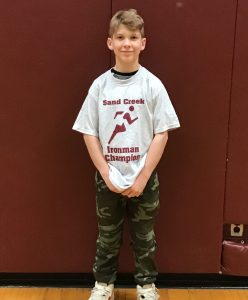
125	115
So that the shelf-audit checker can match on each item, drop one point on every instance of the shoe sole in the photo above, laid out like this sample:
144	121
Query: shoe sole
112	297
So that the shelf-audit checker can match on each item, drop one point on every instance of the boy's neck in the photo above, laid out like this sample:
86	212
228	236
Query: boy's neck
126	68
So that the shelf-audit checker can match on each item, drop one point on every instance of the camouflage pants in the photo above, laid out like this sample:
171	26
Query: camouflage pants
140	212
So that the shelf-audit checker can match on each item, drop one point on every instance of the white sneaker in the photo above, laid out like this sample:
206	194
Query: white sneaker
147	292
102	291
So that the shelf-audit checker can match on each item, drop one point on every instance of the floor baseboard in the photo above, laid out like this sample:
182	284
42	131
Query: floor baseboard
123	280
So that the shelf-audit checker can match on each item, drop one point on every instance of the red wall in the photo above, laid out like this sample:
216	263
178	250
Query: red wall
51	51
48	60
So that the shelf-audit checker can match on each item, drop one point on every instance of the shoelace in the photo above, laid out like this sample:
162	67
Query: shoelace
102	293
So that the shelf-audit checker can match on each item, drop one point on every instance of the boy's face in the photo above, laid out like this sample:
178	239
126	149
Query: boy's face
127	46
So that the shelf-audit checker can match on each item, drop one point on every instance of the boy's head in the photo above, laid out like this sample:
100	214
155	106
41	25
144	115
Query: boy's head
126	39
128	18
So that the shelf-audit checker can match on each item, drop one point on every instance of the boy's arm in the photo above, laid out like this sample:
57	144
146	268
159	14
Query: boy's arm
154	154
95	151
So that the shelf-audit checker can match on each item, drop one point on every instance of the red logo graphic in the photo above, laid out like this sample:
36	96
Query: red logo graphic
122	127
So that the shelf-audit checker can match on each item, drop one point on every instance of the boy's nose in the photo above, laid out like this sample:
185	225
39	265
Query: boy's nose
126	42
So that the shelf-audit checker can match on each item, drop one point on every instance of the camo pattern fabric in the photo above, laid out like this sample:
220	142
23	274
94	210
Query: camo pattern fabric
112	209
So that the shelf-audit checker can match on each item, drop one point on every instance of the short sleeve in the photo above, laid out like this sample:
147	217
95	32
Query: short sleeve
87	120
164	115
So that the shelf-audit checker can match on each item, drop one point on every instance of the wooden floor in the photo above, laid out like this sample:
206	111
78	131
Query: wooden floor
11	293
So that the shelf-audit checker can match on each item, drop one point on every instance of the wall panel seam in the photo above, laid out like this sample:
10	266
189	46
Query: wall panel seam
230	106
111	13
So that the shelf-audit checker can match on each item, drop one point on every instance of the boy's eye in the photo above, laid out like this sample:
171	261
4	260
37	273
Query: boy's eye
134	37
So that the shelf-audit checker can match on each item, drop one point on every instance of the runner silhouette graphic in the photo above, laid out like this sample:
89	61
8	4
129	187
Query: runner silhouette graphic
122	127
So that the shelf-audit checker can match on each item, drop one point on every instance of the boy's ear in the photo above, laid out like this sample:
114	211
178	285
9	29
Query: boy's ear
143	42
109	44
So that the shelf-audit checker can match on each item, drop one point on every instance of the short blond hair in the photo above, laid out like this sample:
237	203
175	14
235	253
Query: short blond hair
129	18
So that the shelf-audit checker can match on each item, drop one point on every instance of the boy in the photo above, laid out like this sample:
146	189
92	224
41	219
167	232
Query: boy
125	121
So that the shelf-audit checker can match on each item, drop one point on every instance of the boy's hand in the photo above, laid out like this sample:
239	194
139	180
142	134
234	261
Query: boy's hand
153	156
112	187
137	188
109	184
